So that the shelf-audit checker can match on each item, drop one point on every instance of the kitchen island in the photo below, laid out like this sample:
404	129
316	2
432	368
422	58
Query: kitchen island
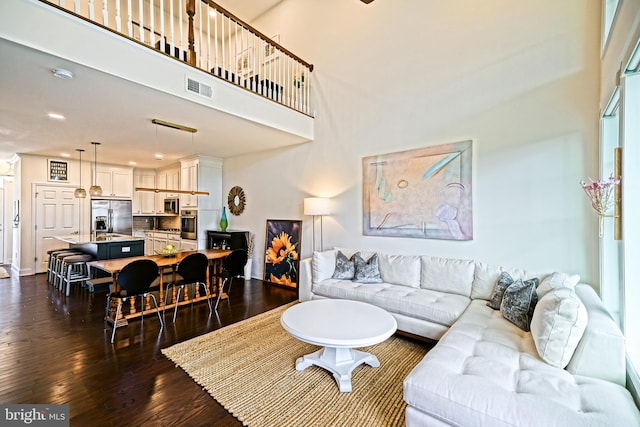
105	245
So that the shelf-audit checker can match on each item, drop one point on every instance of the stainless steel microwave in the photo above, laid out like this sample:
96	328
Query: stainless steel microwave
172	205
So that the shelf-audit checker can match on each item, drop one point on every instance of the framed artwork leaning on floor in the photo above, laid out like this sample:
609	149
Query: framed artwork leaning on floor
282	256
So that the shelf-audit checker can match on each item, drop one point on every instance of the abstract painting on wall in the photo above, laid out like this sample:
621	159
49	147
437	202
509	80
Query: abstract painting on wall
423	193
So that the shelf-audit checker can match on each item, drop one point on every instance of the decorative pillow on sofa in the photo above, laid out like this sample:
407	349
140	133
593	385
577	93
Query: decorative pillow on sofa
367	272
323	265
557	281
557	326
502	284
519	302
345	267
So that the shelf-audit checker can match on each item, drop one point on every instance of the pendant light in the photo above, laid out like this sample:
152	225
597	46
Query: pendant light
95	189
80	192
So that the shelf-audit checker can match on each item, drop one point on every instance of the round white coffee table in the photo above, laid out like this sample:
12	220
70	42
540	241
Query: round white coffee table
339	326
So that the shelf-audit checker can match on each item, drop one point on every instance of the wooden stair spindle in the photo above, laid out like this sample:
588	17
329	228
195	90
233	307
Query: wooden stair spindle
191	54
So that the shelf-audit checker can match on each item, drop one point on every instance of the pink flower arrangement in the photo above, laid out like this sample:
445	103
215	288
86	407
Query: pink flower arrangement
601	193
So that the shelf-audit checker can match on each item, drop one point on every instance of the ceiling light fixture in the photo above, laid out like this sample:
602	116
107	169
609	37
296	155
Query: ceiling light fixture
61	73
80	193
169	190
174	125
95	189
56	116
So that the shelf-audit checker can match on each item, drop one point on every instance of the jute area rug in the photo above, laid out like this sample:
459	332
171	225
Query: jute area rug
249	368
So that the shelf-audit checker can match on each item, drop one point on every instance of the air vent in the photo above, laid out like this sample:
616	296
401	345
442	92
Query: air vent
198	88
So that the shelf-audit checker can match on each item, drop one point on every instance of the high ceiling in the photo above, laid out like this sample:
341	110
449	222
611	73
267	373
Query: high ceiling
116	112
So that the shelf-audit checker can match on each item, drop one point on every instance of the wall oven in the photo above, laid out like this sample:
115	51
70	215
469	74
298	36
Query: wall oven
171	205
189	224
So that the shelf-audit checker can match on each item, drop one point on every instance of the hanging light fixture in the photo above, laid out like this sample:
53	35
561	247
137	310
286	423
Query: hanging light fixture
80	192
95	189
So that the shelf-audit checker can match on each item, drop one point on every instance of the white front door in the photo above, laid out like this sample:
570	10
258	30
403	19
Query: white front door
57	214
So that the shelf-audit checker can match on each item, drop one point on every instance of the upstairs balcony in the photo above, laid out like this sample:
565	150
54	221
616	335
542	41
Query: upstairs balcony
257	94
206	36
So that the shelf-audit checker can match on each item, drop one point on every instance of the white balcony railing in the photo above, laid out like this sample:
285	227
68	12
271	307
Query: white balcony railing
205	35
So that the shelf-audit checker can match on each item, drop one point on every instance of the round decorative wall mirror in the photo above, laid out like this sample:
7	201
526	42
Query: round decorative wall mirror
236	200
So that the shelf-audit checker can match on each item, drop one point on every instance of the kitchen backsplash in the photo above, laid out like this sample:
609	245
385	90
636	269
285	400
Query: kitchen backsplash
162	223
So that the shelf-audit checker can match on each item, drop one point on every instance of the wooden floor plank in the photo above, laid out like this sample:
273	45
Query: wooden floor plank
56	349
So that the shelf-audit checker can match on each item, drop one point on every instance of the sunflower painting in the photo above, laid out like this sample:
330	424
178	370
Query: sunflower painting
282	259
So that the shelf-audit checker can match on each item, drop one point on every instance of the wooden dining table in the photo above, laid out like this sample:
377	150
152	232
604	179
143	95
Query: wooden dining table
114	266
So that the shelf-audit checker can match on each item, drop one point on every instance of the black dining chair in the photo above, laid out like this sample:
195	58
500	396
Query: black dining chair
135	279
193	270
232	267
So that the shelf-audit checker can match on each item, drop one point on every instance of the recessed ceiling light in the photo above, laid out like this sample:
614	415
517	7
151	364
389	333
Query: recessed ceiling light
65	154
56	116
132	163
61	73
159	156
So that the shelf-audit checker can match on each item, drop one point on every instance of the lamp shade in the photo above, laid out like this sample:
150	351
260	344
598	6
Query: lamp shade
316	206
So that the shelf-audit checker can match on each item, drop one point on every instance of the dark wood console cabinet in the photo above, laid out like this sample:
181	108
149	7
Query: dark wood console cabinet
232	239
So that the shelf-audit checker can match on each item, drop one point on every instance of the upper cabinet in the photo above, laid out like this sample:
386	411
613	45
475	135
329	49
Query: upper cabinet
201	174
115	181
169	179
144	201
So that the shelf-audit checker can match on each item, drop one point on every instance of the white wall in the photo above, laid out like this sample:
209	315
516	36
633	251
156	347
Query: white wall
519	78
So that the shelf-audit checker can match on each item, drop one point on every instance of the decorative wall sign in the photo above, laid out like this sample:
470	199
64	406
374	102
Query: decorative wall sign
282	259
236	200
423	193
58	170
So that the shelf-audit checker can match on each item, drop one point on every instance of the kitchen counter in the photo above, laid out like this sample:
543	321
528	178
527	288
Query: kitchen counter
76	239
106	246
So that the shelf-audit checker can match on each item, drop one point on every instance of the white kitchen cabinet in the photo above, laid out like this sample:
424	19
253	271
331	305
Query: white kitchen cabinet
159	242
169	179
148	243
201	174
188	245
115	181
144	201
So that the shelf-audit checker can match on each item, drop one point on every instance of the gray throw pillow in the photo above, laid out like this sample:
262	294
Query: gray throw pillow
519	301
367	272
345	267
502	284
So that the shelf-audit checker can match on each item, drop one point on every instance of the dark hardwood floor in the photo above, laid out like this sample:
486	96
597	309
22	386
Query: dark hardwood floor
56	349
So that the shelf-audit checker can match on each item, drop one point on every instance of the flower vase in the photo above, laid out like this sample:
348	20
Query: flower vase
223	220
601	225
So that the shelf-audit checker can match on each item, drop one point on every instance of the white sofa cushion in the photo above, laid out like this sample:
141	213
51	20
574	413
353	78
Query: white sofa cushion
447	275
486	275
557	281
324	264
433	306
486	371
400	269
558	322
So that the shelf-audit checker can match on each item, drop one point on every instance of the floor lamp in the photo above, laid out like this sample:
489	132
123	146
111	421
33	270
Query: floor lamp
316	206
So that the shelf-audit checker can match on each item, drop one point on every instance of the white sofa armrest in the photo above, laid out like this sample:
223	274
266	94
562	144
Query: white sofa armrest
601	351
305	280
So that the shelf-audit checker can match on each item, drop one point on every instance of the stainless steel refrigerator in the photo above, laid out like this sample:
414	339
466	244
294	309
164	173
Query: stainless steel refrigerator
111	216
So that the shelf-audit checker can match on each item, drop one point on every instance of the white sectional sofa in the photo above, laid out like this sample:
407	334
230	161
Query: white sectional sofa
485	370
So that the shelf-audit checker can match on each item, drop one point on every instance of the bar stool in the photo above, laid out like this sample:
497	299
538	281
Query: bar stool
74	270
54	263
